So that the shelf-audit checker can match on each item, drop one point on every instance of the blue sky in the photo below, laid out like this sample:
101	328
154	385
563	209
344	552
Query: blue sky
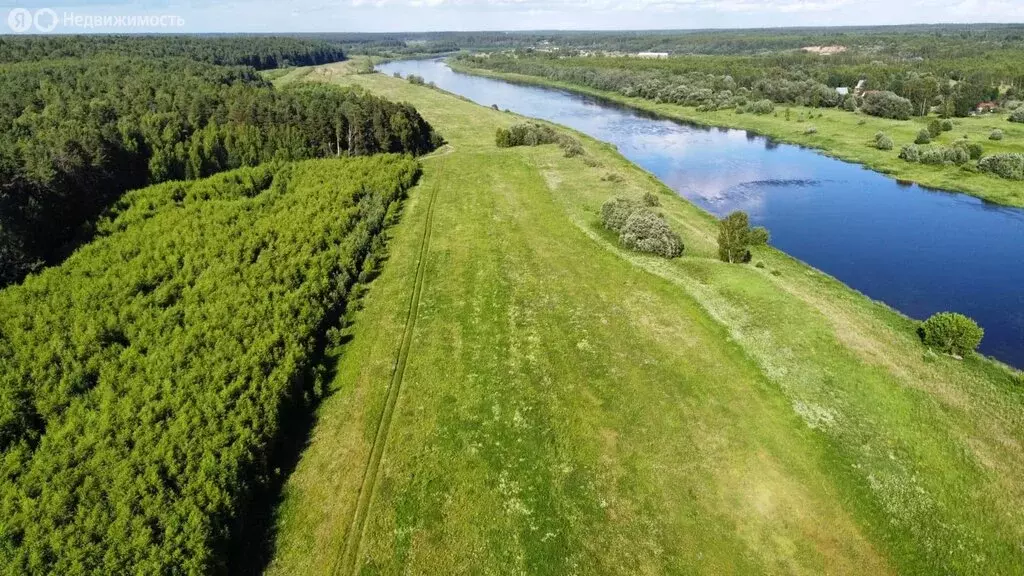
407	15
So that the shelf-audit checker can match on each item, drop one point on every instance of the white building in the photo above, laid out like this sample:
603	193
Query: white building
652	55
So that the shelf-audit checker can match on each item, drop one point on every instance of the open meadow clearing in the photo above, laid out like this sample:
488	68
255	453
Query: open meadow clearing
519	394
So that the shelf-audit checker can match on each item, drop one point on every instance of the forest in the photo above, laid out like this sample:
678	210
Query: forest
897	42
954	86
260	52
77	133
145	382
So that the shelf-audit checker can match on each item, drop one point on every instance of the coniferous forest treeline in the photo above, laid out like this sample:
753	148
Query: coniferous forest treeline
260	52
145	382
76	133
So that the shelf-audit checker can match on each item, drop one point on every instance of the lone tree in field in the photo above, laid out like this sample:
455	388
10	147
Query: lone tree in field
952	333
735	237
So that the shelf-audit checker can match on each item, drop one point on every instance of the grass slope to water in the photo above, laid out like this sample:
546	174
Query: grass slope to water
571	407
844	135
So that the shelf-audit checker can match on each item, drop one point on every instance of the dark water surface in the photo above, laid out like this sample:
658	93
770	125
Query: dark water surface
920	251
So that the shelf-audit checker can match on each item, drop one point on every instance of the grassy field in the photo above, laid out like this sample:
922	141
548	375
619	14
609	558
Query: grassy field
553	404
845	135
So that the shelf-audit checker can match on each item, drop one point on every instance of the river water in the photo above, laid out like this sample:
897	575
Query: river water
920	251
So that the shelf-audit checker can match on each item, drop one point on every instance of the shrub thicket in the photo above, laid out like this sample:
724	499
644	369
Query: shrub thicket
883	141
952	333
616	211
533	134
975	150
887	105
936	155
1009	166
646	231
761	107
639	228
1017	115
145	381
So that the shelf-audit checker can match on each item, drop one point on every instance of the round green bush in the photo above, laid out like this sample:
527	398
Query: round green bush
947	125
975	150
934	128
651	199
923	137
996	134
1018	115
616	211
646	231
952	333
883	142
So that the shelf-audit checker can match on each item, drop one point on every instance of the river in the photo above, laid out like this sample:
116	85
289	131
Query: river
920	251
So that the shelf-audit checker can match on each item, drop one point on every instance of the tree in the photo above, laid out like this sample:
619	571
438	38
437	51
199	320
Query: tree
887	105
952	333
735	237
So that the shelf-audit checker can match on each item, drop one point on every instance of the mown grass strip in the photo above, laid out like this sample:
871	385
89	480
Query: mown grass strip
353	540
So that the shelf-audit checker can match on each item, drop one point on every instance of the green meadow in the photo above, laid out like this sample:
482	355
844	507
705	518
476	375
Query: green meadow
849	136
518	394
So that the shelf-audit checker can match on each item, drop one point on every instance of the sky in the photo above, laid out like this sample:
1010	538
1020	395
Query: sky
82	16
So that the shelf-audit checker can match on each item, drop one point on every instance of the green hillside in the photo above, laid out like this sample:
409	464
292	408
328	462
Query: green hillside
519	394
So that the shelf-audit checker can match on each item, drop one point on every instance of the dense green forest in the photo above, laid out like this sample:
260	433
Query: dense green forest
956	86
75	134
905	42
260	52
145	381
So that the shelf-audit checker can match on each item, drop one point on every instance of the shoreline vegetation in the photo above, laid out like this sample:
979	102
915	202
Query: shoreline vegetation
839	134
631	413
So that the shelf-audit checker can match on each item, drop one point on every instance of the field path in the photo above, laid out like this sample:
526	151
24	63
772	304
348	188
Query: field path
354	536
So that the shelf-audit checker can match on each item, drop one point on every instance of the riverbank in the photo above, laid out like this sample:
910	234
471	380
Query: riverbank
570	406
839	134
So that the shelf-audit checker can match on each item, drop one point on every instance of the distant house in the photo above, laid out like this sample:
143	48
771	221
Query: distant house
652	55
843	91
987	107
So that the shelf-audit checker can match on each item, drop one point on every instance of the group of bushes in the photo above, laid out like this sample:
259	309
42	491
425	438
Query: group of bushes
145	382
533	134
1017	115
641	228
936	155
1009	166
